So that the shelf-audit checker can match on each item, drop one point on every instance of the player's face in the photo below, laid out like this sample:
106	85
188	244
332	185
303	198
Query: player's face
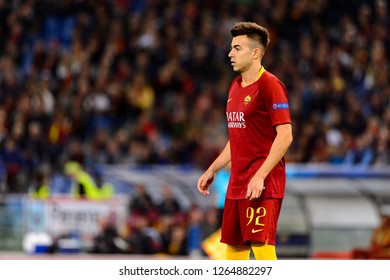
241	53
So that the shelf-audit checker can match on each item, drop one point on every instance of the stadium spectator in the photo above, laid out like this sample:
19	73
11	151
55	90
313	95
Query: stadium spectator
106	189
83	184
174	237
379	248
143	238
40	188
108	240
12	159
141	203
169	205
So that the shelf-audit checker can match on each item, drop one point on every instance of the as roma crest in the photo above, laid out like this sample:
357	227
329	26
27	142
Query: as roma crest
247	99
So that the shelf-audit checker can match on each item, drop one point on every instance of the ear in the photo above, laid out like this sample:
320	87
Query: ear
257	53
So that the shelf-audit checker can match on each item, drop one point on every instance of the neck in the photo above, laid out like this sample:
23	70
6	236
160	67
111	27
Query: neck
250	76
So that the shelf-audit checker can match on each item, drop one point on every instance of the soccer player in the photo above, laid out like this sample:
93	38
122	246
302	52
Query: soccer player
260	133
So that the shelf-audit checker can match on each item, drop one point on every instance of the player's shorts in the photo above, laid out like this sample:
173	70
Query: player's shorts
246	221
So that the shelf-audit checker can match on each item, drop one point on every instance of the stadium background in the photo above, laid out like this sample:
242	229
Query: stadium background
135	91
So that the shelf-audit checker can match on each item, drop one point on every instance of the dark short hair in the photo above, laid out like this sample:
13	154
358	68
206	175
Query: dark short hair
253	31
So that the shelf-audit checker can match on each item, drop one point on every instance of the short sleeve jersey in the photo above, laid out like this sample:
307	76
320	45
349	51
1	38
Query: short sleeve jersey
252	113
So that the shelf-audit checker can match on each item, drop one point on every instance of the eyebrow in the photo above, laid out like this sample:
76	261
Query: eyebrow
235	46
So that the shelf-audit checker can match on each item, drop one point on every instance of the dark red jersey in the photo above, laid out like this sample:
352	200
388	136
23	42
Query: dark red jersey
252	113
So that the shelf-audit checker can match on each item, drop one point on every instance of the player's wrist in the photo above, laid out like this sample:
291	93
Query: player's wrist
260	175
211	171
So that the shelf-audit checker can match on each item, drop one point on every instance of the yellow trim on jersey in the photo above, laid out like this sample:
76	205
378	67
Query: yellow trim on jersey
262	70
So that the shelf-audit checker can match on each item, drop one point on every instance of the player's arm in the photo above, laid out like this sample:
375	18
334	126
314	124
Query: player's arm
278	149
207	178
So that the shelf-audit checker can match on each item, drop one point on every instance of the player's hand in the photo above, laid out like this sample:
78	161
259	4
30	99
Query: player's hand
255	188
205	181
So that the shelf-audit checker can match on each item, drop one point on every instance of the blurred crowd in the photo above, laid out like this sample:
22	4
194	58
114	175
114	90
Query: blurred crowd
146	81
162	227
